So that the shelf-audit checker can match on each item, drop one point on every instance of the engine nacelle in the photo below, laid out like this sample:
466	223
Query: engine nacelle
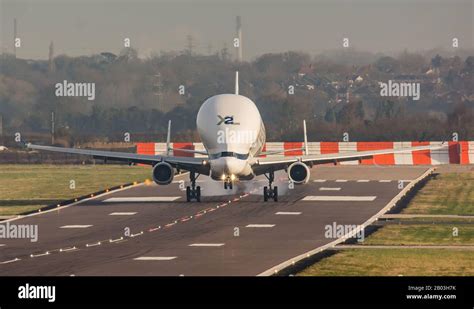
163	173
298	173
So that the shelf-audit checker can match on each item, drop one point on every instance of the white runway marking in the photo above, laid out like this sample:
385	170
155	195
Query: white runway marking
260	225
319	180
385	180
341	180
206	245
10	261
329	189
1	245
76	226
288	213
122	213
139	199
363	180
155	258
344	198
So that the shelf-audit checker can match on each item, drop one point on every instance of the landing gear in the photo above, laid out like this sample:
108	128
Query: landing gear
193	192
228	184
270	192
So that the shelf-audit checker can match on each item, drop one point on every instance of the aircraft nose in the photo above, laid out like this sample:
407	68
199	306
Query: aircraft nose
228	166
234	166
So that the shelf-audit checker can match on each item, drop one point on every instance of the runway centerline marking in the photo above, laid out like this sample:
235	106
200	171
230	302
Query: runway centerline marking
75	226
206	245
319	180
385	180
363	180
329	189
155	258
260	225
122	213
288	213
139	199
341	180
341	198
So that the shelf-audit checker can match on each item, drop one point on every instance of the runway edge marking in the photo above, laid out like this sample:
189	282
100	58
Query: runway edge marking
393	202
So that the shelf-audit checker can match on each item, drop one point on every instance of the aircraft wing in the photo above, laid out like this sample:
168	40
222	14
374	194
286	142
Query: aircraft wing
262	165
185	163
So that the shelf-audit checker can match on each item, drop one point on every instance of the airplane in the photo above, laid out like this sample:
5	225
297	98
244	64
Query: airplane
233	135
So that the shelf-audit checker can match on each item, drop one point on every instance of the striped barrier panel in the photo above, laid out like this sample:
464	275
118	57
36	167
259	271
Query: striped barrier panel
455	153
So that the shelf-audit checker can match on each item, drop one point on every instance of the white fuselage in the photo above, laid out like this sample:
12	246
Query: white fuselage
232	131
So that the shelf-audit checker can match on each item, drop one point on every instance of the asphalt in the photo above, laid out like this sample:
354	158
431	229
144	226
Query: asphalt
214	237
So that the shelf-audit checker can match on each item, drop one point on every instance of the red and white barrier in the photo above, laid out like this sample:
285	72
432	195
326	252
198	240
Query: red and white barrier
455	153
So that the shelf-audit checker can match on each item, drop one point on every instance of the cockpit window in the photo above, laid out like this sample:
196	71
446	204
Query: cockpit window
239	156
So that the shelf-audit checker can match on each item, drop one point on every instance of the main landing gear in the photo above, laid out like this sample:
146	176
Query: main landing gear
270	192
193	192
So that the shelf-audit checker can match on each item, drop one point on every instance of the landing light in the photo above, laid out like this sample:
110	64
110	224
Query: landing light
232	177
223	177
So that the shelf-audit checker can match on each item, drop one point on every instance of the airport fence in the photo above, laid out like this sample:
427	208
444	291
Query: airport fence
456	152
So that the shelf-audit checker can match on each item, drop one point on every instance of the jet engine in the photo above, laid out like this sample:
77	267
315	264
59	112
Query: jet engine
298	173
163	173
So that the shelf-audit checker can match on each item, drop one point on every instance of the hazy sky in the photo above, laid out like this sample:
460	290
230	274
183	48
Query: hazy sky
86	27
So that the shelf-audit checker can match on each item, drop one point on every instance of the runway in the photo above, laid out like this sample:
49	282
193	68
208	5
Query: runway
152	230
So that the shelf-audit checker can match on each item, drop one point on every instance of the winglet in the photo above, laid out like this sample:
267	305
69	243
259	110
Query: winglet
306	152
236	82
168	136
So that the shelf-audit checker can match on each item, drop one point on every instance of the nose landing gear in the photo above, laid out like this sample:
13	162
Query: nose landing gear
228	184
270	192
193	192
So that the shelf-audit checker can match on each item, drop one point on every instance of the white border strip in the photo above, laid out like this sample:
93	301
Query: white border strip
354	232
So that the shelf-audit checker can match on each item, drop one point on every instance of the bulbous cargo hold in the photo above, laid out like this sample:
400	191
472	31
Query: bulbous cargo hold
298	173
163	173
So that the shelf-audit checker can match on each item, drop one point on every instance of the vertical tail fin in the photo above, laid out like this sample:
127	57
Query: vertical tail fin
306	151
168	137
236	82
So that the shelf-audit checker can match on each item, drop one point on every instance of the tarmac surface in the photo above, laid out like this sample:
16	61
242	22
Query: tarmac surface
152	230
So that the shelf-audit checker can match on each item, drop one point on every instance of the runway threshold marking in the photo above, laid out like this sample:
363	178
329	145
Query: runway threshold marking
342	198
288	213
75	226
122	213
329	189
155	258
206	245
260	225
139	199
